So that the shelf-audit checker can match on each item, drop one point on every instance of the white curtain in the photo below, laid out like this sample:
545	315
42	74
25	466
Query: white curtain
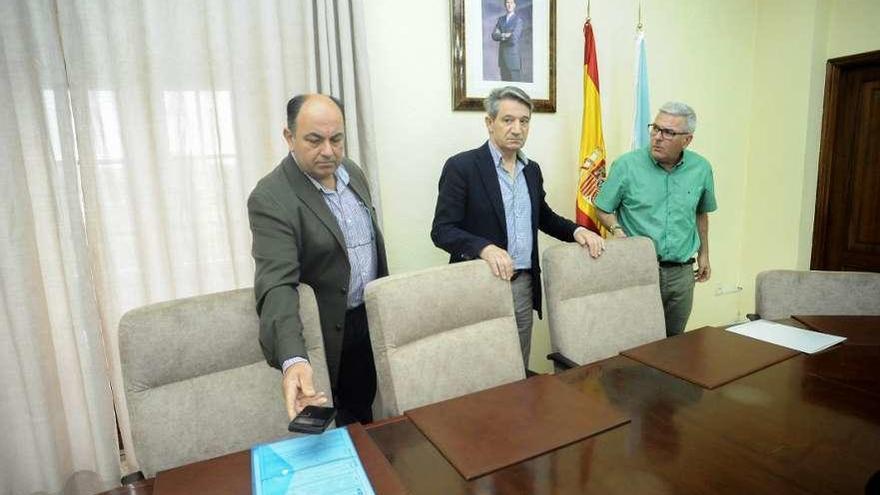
131	133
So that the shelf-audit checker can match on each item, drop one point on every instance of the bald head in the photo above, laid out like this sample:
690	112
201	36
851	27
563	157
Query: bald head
295	104
316	136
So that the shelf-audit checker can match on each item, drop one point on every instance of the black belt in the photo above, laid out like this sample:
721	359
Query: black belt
670	264
360	307
516	273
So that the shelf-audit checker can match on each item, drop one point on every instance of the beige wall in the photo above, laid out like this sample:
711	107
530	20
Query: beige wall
779	123
793	41
752	70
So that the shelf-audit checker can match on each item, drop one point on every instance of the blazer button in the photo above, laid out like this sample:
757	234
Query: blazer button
344	290
339	326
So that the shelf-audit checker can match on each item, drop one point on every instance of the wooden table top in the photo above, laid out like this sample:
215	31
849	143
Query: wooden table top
808	424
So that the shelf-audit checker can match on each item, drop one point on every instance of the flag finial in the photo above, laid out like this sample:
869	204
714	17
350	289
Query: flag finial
639	26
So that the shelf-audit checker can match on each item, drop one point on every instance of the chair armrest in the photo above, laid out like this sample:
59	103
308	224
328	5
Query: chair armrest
561	362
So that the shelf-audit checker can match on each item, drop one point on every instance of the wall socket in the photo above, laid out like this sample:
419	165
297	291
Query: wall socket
724	289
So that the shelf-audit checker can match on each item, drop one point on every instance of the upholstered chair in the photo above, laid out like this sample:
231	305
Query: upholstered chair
196	382
599	307
441	333
782	293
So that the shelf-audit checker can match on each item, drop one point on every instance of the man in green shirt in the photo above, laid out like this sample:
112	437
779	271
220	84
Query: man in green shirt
665	192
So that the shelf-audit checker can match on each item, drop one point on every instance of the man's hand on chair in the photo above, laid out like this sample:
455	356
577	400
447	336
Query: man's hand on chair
499	261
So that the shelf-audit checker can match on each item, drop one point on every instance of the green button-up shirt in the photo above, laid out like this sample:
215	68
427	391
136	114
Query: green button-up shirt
651	202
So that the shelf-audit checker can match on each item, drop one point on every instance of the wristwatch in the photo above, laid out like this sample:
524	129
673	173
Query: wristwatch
614	228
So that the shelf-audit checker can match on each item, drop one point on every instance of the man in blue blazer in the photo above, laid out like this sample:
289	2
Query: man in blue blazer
491	206
508	33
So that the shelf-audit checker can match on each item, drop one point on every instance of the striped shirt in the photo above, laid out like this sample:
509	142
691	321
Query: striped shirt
517	209
353	218
354	221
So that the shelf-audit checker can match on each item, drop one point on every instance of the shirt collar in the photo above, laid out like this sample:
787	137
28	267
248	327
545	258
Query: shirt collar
674	167
496	155
341	176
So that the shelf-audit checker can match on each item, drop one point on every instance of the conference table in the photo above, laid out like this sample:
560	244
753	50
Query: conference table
804	424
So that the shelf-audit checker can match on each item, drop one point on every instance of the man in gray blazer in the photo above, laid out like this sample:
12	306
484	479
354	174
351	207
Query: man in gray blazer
313	222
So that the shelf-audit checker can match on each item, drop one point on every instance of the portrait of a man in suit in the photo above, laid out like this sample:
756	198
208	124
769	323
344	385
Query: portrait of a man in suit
507	48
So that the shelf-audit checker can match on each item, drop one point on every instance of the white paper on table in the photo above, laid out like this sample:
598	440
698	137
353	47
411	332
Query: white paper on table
795	338
325	464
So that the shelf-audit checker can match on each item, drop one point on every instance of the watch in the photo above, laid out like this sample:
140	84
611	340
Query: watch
615	227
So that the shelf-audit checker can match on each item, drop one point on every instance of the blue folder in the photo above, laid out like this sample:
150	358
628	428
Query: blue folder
313	465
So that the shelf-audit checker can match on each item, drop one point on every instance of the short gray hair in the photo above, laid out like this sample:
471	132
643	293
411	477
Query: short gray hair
680	109
506	93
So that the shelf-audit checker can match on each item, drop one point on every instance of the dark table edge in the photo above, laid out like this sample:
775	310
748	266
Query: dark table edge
382	475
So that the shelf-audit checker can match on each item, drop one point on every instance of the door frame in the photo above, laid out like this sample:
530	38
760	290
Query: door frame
835	68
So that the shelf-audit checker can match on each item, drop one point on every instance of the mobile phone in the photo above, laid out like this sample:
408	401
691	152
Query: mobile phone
312	419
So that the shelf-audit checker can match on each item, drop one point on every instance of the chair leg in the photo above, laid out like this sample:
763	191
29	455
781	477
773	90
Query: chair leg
131	478
561	362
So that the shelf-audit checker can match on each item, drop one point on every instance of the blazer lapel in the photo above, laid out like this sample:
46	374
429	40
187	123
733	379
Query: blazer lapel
311	197
489	175
362	190
531	174
359	188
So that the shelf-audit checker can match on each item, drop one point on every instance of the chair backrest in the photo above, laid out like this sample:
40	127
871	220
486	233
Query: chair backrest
782	293
599	307
441	333
197	384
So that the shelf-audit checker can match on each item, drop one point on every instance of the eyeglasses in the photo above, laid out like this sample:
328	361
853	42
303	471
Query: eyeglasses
666	133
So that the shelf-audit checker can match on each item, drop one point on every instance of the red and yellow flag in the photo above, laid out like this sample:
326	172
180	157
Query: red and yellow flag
592	155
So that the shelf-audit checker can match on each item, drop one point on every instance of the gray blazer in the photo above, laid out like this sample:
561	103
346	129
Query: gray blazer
297	239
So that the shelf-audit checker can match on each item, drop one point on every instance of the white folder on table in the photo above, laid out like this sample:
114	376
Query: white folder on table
795	338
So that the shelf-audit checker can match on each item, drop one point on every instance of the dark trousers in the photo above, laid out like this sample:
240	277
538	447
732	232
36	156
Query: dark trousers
356	387
510	74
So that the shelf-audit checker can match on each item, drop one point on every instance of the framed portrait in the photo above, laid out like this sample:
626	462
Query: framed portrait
503	43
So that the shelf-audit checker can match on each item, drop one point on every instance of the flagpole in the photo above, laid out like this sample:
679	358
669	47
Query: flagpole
641	108
639	25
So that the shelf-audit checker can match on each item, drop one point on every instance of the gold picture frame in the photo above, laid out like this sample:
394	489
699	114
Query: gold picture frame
484	44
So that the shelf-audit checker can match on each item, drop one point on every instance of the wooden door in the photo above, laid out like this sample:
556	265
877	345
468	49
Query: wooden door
846	228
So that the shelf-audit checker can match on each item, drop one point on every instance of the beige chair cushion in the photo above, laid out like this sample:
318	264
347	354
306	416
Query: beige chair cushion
599	307
782	293
196	382
441	333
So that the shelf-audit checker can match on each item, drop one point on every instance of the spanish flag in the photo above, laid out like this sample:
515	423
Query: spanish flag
592	155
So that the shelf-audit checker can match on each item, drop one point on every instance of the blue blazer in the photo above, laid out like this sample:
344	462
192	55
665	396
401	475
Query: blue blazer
470	213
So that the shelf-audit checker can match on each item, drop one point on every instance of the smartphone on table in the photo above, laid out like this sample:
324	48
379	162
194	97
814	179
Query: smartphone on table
312	419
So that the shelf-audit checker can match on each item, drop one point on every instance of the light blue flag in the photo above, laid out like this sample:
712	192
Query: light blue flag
642	115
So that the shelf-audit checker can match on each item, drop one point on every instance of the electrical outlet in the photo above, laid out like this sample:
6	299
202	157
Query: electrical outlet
723	289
